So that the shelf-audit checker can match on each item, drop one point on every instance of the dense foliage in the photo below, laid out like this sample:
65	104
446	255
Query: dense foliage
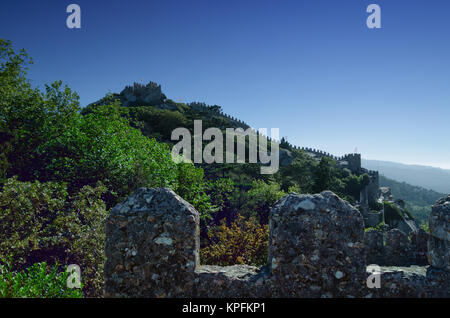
37	281
261	197
59	144
41	222
60	171
244	242
46	138
62	167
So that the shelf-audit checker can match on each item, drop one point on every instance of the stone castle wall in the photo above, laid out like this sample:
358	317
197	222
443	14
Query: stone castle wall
394	248
316	249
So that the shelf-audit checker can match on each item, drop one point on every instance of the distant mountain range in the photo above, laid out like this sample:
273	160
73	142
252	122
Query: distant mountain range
423	176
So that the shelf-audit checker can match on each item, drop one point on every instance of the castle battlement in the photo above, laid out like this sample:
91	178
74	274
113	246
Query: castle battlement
153	246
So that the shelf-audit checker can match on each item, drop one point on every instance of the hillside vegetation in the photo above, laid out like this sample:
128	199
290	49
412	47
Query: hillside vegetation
423	176
63	167
418	200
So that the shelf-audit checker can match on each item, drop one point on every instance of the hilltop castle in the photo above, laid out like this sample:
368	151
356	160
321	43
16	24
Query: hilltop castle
151	94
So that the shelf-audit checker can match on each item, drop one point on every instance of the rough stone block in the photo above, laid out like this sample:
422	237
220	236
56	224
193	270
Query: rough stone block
316	246
374	218
373	241
241	281
152	246
419	241
398	249
439	242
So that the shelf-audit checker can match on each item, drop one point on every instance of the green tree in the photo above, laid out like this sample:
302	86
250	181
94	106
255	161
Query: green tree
19	103
220	191
323	176
41	222
190	187
103	146
223	193
261	197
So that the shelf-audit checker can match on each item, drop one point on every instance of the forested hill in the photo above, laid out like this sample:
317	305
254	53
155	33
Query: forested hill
418	199
63	167
423	176
156	116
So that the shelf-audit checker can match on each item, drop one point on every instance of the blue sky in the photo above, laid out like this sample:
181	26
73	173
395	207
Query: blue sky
311	68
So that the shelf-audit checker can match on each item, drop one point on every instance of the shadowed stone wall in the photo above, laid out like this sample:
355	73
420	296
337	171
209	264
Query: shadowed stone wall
394	248
152	246
439	242
316	249
316	246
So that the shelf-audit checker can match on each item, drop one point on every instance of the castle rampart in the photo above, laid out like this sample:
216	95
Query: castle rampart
316	249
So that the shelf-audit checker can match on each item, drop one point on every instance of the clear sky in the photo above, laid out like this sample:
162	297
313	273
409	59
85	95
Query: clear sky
311	68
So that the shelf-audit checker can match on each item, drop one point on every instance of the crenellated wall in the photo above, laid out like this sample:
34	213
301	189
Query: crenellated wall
316	249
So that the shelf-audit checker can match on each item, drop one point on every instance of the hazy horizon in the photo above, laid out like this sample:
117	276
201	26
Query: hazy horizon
311	68
427	177
430	165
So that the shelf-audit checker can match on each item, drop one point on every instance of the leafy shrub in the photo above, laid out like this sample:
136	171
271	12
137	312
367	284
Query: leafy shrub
220	191
37	281
103	146
189	185
294	189
300	173
323	175
222	194
21	114
244	242
40	222
44	137
261	197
